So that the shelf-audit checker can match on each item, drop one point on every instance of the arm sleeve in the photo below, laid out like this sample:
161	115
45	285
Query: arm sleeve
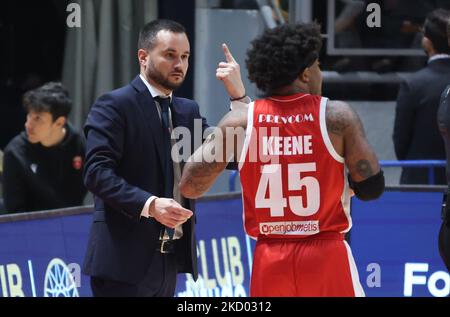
104	132
370	188
145	211
404	121
14	188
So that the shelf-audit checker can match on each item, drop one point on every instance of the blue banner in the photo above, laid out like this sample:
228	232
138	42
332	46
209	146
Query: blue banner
224	252
43	257
394	242
396	237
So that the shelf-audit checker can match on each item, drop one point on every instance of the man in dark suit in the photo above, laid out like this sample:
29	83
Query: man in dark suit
416	136
143	229
444	128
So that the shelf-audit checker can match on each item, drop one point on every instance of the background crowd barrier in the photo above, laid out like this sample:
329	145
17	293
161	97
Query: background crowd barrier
394	242
430	164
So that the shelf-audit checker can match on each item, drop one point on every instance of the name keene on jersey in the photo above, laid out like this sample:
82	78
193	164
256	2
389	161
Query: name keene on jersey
291	145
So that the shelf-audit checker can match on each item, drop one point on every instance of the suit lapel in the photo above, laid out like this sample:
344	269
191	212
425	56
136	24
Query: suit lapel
151	116
178	115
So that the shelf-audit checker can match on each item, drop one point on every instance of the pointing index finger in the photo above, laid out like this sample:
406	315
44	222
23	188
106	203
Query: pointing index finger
228	56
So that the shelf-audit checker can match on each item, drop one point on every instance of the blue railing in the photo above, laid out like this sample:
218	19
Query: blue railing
430	164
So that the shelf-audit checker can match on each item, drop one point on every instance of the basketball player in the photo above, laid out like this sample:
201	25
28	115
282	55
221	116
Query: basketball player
293	168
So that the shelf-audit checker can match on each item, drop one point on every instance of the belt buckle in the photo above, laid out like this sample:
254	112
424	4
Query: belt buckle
161	249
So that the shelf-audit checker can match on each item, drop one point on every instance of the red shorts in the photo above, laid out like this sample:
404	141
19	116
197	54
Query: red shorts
320	265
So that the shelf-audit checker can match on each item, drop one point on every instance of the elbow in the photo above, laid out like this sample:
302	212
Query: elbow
369	189
91	178
87	180
188	190
368	196
192	187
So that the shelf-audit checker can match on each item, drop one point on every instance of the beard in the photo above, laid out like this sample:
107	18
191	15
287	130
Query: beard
159	78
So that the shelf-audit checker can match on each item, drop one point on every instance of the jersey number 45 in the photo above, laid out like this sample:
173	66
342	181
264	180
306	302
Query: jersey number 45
271	176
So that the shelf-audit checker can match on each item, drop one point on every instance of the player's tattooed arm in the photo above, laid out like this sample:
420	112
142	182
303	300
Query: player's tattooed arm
197	171
345	128
210	159
338	117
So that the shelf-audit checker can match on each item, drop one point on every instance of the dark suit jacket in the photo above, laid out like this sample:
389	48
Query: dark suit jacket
123	168
416	134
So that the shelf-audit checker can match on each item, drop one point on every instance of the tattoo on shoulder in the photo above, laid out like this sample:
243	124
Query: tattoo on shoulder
339	116
364	168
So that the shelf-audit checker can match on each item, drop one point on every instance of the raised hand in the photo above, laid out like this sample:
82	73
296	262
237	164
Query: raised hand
229	73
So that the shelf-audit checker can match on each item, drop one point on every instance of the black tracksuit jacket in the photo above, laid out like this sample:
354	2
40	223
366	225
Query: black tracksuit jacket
40	178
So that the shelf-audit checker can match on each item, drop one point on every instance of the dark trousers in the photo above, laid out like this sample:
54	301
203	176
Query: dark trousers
160	281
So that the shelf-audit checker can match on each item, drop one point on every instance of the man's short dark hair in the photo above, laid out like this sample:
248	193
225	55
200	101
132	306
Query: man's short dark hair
52	97
279	55
435	29
147	36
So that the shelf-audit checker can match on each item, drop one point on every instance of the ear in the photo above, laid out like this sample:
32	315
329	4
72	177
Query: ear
61	121
142	57
305	76
427	45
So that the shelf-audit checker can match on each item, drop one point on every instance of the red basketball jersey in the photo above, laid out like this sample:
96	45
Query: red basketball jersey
294	183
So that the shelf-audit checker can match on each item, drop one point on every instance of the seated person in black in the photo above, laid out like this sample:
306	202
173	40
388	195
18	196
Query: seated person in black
42	166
